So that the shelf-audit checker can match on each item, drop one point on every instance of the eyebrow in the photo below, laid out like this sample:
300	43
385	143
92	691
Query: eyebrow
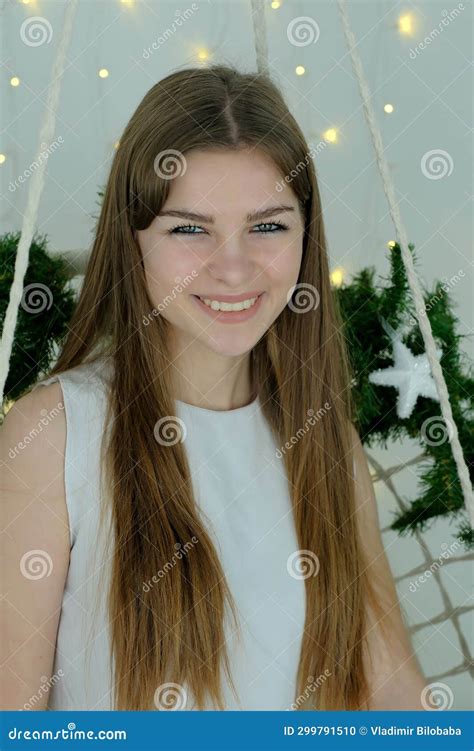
255	215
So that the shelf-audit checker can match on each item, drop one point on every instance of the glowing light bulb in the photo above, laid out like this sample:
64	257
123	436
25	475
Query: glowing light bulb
388	108
300	70
103	73
203	54
405	24
337	276
2	158
330	135
275	4
15	81
391	244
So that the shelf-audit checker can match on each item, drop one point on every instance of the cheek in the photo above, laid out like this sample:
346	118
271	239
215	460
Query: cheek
165	265
283	262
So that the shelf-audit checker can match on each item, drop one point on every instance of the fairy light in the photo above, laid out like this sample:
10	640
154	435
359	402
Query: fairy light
300	70
116	145
388	108
405	24
15	81
203	54
330	135
275	4
128	3
391	244
337	276
103	73
2	158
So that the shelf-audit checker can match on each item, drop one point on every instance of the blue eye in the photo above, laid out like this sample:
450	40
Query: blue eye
174	230
279	228
182	229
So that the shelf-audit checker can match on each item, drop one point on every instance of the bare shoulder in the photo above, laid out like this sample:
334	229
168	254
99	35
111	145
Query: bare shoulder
35	542
33	435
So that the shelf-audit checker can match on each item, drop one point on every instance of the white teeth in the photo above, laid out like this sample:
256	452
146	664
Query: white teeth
228	306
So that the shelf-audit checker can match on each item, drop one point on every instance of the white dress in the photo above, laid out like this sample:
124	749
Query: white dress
242	493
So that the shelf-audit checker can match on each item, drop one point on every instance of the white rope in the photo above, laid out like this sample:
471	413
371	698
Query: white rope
34	195
258	15
259	28
413	282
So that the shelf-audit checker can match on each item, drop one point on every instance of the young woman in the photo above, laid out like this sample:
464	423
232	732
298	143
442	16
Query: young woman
196	527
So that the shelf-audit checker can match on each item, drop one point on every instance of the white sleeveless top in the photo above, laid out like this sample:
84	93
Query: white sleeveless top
241	490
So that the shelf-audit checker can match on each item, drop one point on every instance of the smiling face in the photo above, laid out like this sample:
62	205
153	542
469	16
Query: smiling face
228	231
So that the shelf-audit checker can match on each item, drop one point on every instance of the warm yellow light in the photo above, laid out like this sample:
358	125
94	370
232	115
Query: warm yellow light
391	244
337	276
129	3
15	81
275	4
25	2
300	70
103	73
388	108
2	158
405	24
203	54
116	145
330	135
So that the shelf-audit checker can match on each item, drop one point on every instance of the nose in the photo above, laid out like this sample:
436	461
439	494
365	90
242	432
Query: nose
232	263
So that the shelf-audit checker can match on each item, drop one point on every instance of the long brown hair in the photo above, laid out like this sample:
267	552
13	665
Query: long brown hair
300	364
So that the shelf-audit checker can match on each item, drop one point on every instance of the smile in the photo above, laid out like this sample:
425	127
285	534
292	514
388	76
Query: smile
230	312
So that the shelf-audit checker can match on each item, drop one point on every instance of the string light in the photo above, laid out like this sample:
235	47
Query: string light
300	70
337	276
330	135
405	24
391	244
129	3
275	4
116	145
2	158
203	54
15	81
388	108
103	73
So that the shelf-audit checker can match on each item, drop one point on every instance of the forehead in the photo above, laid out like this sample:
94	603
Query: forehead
229	182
